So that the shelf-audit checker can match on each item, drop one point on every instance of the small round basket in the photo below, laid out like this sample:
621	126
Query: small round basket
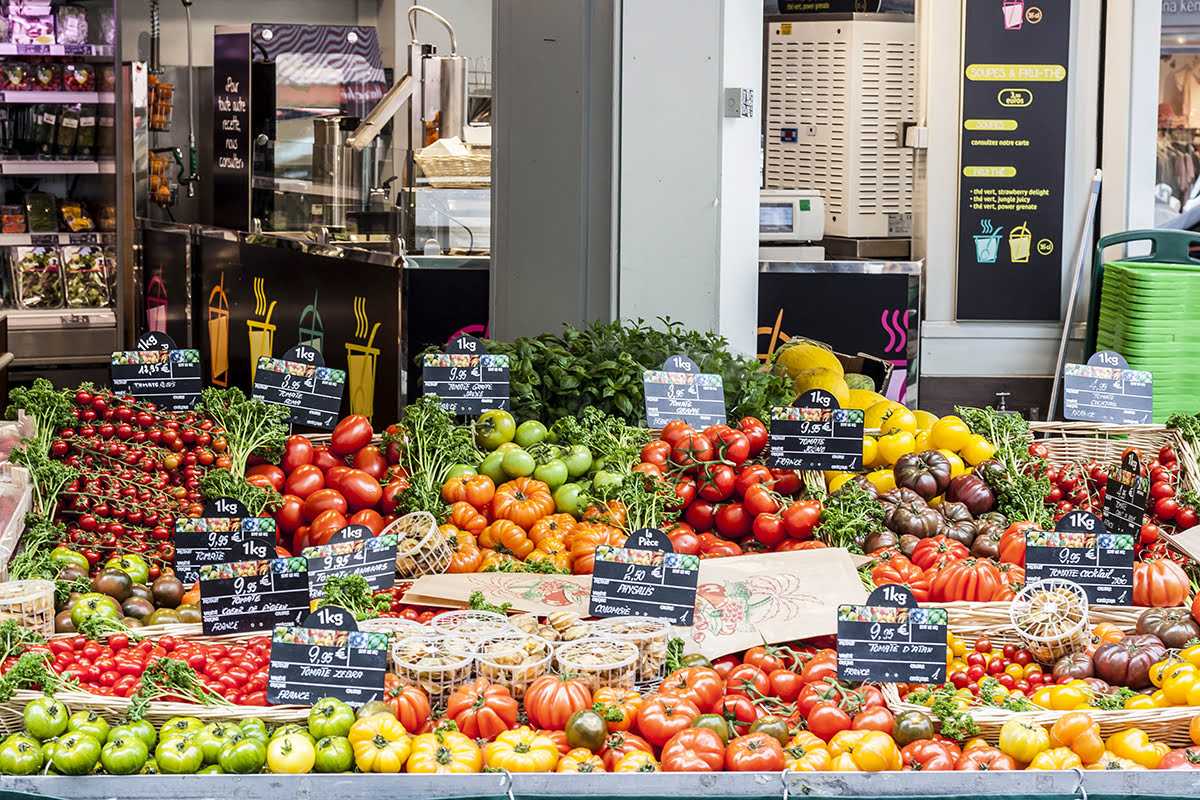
649	634
473	625
421	549
599	662
436	664
513	660
1051	618
30	603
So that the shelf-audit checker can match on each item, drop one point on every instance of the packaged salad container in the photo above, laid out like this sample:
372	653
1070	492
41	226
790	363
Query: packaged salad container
72	25
37	275
437	664
87	274
651	637
599	662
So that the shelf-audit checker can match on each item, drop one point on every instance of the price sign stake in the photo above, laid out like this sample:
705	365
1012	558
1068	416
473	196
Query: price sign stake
891	639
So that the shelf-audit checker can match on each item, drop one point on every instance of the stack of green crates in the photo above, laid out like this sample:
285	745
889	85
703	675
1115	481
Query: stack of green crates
1150	314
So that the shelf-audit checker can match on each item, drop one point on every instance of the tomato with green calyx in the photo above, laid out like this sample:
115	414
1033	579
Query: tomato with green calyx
518	463
493	467
330	717
242	755
606	482
143	729
94	603
773	726
586	728
76	754
179	755
88	722
494	428
150	768
254	729
21	754
568	499
292	729
63	557
911	726
530	432
292	754
214	736
334	754
578	460
133	564
458	470
125	754
46	718
180	726
553	473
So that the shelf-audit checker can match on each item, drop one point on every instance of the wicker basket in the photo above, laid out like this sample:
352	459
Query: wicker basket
1085	441
31	603
991	620
423	549
453	172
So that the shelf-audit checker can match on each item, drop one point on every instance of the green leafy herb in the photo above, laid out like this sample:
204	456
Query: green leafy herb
675	654
606	436
14	637
32	671
1113	702
251	426
219	483
353	593
168	677
38	541
63	589
432	445
1020	485
955	723
477	602
99	628
540	566
49	477
848	516
49	407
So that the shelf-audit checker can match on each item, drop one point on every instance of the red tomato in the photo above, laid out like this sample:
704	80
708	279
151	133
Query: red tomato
324	500
1166	508
756	434
825	719
299	450
769	529
370	518
290	516
360	489
304	480
715	482
699	515
325	525
683	538
391	495
685	491
758	499
732	445
326	459
748	680
1185	518
692	450
271	472
801	517
733	522
372	461
334	475
351	434
750	475
876	718
674	431
656	452
785	684
787	481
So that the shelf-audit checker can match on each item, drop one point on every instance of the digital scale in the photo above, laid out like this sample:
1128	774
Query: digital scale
789	219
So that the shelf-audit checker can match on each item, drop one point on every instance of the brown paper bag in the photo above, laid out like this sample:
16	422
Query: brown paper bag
528	592
777	597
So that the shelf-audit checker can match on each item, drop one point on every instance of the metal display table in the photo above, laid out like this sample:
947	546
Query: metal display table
1044	785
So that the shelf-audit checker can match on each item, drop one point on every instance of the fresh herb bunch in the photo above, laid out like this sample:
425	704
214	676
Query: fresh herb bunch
477	602
14	637
219	483
49	407
675	654
47	476
99	627
432	445
848	516
251	426
32	670
63	589
644	498
38	541
606	436
168	677
955	723
601	366
353	593
990	694
1188	426
540	566
1021	485
1115	701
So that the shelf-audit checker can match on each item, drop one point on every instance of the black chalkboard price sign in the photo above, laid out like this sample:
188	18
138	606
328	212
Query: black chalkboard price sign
1107	390
1082	551
891	639
681	391
300	381
326	656
1125	494
645	578
253	595
353	551
157	372
817	434
465	378
220	540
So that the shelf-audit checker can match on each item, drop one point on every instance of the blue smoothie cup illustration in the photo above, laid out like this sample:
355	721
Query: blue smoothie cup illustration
987	244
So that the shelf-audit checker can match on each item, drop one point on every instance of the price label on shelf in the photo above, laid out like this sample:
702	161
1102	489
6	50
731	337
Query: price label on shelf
220	540
1107	390
353	551
1082	551
326	656
466	379
156	372
1125	494
817	434
301	383
246	596
891	639
681	391
645	578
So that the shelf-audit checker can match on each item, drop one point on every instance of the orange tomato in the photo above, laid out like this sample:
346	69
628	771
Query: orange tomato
523	501
506	536
465	516
555	525
477	490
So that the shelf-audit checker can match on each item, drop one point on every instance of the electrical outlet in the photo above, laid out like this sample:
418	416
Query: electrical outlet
739	103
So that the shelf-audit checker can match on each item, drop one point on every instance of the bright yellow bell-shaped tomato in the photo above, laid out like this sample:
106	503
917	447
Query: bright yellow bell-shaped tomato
1177	681
1191	655
1110	761
637	762
867	751
957	467
522	750
291	754
444	753
888	415
380	744
1055	758
1135	745
949	433
922	441
870	450
1022	739
977	450
925	420
835	480
581	760
1139	702
884	479
894	445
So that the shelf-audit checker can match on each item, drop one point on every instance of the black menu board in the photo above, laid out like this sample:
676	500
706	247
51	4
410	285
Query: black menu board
220	540
326	656
681	391
353	551
300	381
156	372
253	595
891	640
1107	390
1125	495
1081	551
1012	174
465	378
818	434
645	578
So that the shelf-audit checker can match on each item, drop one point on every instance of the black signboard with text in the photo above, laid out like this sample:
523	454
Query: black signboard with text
466	378
1011	167
326	656
302	383
220	540
1105	389
231	129
353	551
1125	494
246	596
817	434
645	578
681	391
156	372
1082	551
891	639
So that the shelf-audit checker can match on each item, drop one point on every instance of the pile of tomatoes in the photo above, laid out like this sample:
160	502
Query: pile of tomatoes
728	501
1014	668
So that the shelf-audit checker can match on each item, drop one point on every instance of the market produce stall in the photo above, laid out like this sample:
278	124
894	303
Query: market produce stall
848	592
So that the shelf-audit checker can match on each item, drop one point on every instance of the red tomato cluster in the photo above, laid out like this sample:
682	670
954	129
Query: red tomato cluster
114	669
729	503
942	570
1013	667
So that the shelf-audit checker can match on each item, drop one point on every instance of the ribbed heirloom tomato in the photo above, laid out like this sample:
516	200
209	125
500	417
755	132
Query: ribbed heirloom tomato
754	752
663	716
551	700
523	501
701	685
482	710
693	750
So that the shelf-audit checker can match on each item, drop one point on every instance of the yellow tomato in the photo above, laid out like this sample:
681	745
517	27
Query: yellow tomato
381	744
291	754
1042	697
884	479
637	762
1135	744
957	467
870	449
922	440
1022	739
956	645
1031	669
888	416
977	450
1191	655
894	445
1177	682
1193	695
949	433
972	743
444	753
834	480
1140	702
925	420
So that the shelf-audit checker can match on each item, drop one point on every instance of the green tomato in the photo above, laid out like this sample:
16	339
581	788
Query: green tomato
66	557
21	754
494	428
142	729
150	768
553	473
568	499
94	603
76	754
213	737
773	726
89	722
179	755
124	755
530	432
460	469
492	467
606	482
330	717
586	728
211	769
185	727
242	756
254	728
715	723
292	729
334	754
695	660
46	718
578	460
132	563
517	463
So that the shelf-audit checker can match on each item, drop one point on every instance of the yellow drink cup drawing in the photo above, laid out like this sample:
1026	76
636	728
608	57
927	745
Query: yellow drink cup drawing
360	375
218	334
262	340
1018	244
